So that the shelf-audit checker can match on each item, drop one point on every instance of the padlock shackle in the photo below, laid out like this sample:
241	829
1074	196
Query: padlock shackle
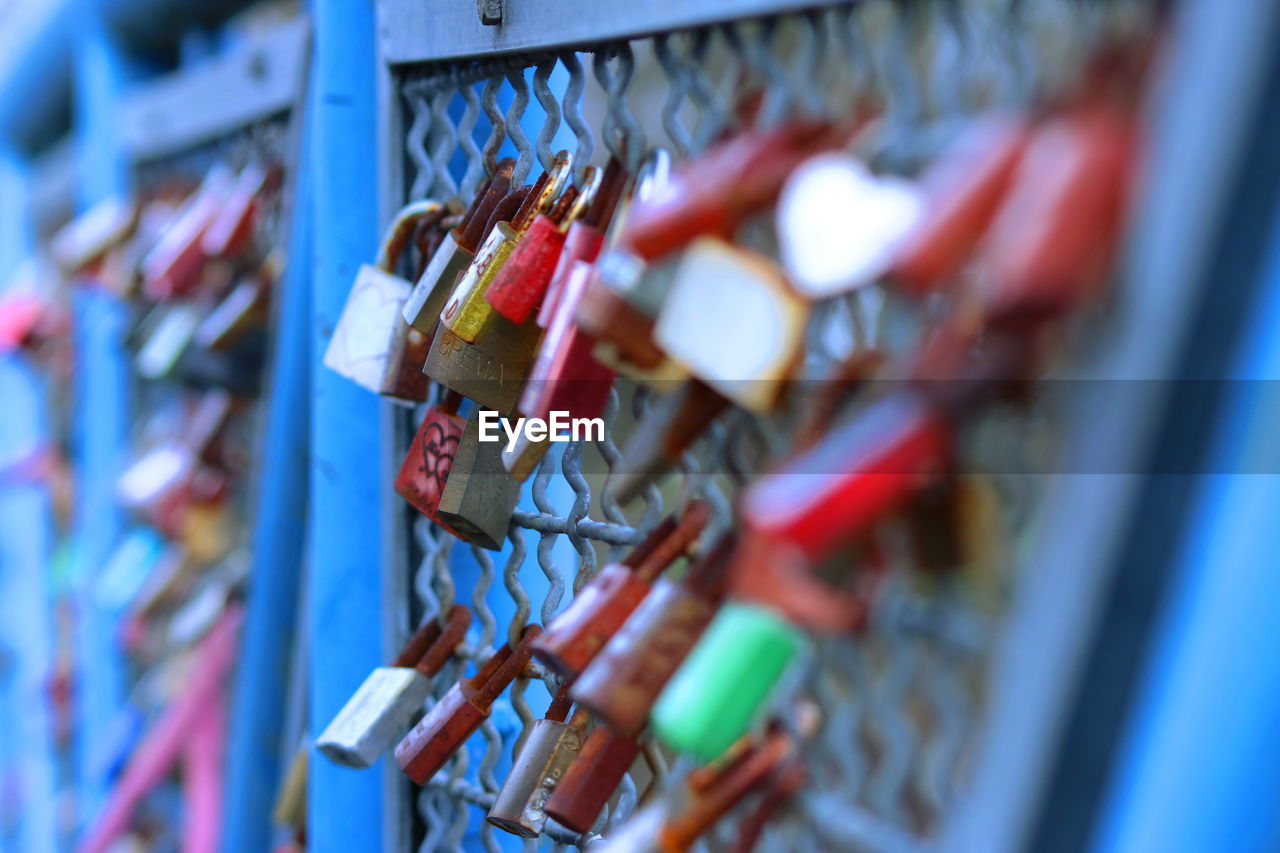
501	669
558	710
613	183
473	227
647	545
709	575
720	795
440	650
506	210
671	547
400	231
592	178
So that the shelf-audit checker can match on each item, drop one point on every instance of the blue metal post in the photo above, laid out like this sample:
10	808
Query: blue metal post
259	701
1198	771
344	589
103	402
26	533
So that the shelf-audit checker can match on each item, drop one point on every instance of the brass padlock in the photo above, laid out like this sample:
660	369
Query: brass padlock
479	495
468	312
455	253
372	345
550	748
379	712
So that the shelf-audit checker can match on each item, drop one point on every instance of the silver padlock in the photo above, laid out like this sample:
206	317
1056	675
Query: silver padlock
550	748
379	713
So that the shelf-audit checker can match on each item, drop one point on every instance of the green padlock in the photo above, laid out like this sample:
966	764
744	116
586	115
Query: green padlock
721	688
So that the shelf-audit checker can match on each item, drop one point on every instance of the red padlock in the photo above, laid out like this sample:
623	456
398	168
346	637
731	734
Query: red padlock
173	266
861	472
579	632
1055	237
426	467
461	711
964	188
622	684
566	377
231	229
731	182
592	778
584	240
520	285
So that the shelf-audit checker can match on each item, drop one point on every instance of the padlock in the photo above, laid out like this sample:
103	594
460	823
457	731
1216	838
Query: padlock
169	332
431	455
1056	233
492	369
371	344
760	318
749	772
729	183
172	268
380	711
455	252
552	745
580	631
963	190
620	686
565	376
290	807
87	238
231	230
518	288
461	711
479	495
838	224
591	779
586	236
862	471
662	435
243	311
467	312
720	690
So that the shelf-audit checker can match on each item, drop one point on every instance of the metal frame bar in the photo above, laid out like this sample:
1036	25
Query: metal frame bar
345	604
430	30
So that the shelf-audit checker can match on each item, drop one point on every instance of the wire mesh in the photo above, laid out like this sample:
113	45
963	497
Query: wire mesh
902	700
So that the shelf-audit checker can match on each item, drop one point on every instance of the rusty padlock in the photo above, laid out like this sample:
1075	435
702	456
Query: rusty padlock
372	345
461	711
550	748
431	455
591	780
456	251
468	312
621	685
519	287
379	712
579	632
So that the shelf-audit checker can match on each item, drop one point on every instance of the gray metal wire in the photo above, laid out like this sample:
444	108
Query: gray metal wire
900	702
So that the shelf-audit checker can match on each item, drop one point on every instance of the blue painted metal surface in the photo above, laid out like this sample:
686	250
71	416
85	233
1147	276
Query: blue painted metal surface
103	406
259	702
26	533
1198	770
344	588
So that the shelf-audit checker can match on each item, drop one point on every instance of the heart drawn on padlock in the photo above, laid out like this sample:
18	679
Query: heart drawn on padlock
439	447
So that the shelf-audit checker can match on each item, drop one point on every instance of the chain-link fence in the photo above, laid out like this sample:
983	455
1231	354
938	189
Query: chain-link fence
901	701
